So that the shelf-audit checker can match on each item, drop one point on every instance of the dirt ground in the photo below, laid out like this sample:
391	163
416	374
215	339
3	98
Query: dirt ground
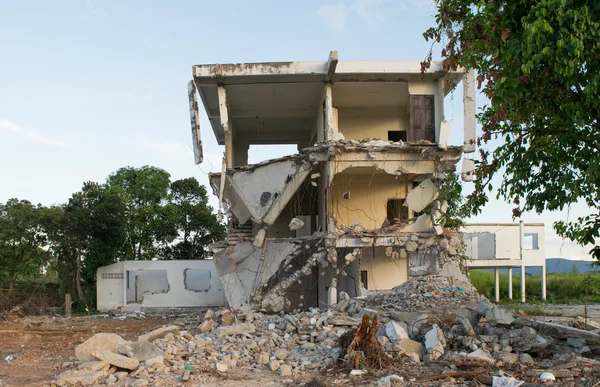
40	345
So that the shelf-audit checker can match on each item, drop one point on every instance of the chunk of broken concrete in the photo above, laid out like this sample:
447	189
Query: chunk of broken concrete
296	224
466	324
395	332
526	358
470	315
421	224
116	359
159	333
222	367
239	329
422	195
155	360
386	381
435	342
285	370
411	246
104	341
206	326
409	347
259	239
499	316
91	366
141	350
565	332
83	379
227	317
508	357
483	307
418	271
481	354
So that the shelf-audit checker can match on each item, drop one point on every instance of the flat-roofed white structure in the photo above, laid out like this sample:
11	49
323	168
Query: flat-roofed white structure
159	284
506	246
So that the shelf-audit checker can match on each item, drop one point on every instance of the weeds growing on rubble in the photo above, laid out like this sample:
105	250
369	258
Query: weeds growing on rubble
561	288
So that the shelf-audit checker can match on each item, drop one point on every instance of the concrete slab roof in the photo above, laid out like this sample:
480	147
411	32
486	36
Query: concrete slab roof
279	99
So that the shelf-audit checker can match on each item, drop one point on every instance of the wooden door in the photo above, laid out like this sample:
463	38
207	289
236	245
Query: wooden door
422	118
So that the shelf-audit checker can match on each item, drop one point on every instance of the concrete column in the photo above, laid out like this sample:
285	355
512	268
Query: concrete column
125	280
523	284
510	282
521	243
226	124
329	115
469	112
496	285
544	282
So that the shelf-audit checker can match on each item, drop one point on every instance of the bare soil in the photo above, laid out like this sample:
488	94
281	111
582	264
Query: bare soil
40	345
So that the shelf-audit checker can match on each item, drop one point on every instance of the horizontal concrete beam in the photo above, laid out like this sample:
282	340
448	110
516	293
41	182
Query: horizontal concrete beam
489	263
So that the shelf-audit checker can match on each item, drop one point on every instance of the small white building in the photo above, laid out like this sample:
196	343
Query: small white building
506	246
176	283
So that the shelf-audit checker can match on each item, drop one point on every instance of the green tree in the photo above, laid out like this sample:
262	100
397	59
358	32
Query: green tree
144	194
192	217
538	64
22	241
85	234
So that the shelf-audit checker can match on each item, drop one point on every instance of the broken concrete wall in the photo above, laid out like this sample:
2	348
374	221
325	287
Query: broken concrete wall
114	290
383	269
362	197
260	192
392	258
364	176
250	274
303	205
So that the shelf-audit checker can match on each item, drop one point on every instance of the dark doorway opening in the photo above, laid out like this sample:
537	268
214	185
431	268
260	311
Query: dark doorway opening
364	279
396	211
396	135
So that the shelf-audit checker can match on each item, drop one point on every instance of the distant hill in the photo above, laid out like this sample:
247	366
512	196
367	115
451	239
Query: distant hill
561	265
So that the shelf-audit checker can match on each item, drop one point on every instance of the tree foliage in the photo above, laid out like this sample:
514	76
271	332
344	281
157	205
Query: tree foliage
194	220
144	193
451	193
84	234
22	241
538	64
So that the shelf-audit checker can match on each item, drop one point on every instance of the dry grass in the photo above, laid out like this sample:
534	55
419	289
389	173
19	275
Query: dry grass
30	300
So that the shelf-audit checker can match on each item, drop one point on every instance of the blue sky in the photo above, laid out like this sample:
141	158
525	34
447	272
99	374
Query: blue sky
87	87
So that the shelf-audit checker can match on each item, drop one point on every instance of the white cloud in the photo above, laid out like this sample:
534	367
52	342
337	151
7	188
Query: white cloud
334	16
30	134
369	11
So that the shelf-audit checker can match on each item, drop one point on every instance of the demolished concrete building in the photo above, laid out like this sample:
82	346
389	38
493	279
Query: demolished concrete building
356	207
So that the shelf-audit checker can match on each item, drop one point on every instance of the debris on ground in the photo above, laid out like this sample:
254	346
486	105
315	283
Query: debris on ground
383	339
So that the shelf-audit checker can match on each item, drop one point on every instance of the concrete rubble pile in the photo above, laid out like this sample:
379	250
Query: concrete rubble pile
421	293
291	345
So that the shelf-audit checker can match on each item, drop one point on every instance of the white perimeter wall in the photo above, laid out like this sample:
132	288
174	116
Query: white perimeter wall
507	241
112	292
